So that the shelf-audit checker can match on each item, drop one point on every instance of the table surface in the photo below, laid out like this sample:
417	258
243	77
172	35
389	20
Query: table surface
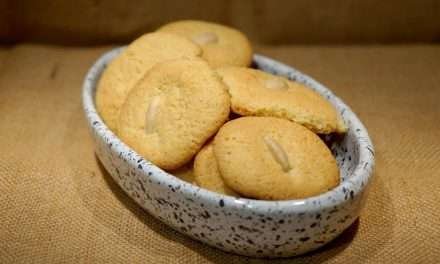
57	203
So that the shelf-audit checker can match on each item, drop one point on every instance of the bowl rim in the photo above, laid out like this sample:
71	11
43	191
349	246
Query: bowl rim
362	172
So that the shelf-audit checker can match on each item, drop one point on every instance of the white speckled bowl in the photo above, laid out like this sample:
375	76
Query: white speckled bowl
244	226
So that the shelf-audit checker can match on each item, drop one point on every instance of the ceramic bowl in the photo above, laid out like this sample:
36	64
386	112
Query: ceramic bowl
243	226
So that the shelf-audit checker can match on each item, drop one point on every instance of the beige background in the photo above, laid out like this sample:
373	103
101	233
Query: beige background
265	21
58	205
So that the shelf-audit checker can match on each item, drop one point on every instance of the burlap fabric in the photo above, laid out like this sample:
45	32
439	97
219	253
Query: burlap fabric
58	205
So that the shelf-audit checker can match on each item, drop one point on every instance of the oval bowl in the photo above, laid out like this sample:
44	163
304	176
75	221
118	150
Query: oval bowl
243	226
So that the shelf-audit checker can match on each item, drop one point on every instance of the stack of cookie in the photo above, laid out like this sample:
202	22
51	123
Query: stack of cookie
184	98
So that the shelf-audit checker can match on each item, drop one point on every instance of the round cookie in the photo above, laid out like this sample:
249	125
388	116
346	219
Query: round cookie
126	69
221	45
173	110
185	173
274	159
257	93
206	173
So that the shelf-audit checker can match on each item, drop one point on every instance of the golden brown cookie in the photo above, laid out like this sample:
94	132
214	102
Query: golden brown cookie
126	69
257	93
206	173
221	45
274	159
185	173
173	110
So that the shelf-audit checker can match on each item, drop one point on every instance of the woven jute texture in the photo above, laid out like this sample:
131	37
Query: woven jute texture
58	205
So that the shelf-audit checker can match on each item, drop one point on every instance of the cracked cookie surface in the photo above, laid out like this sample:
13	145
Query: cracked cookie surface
257	93
221	45
274	159
125	70
173	110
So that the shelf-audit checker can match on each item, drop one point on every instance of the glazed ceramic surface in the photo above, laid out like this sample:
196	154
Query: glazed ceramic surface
244	226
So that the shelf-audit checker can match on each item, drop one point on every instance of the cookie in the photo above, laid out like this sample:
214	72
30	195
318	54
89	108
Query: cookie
206	173
274	159
257	93
185	173
126	69
221	45
173	110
